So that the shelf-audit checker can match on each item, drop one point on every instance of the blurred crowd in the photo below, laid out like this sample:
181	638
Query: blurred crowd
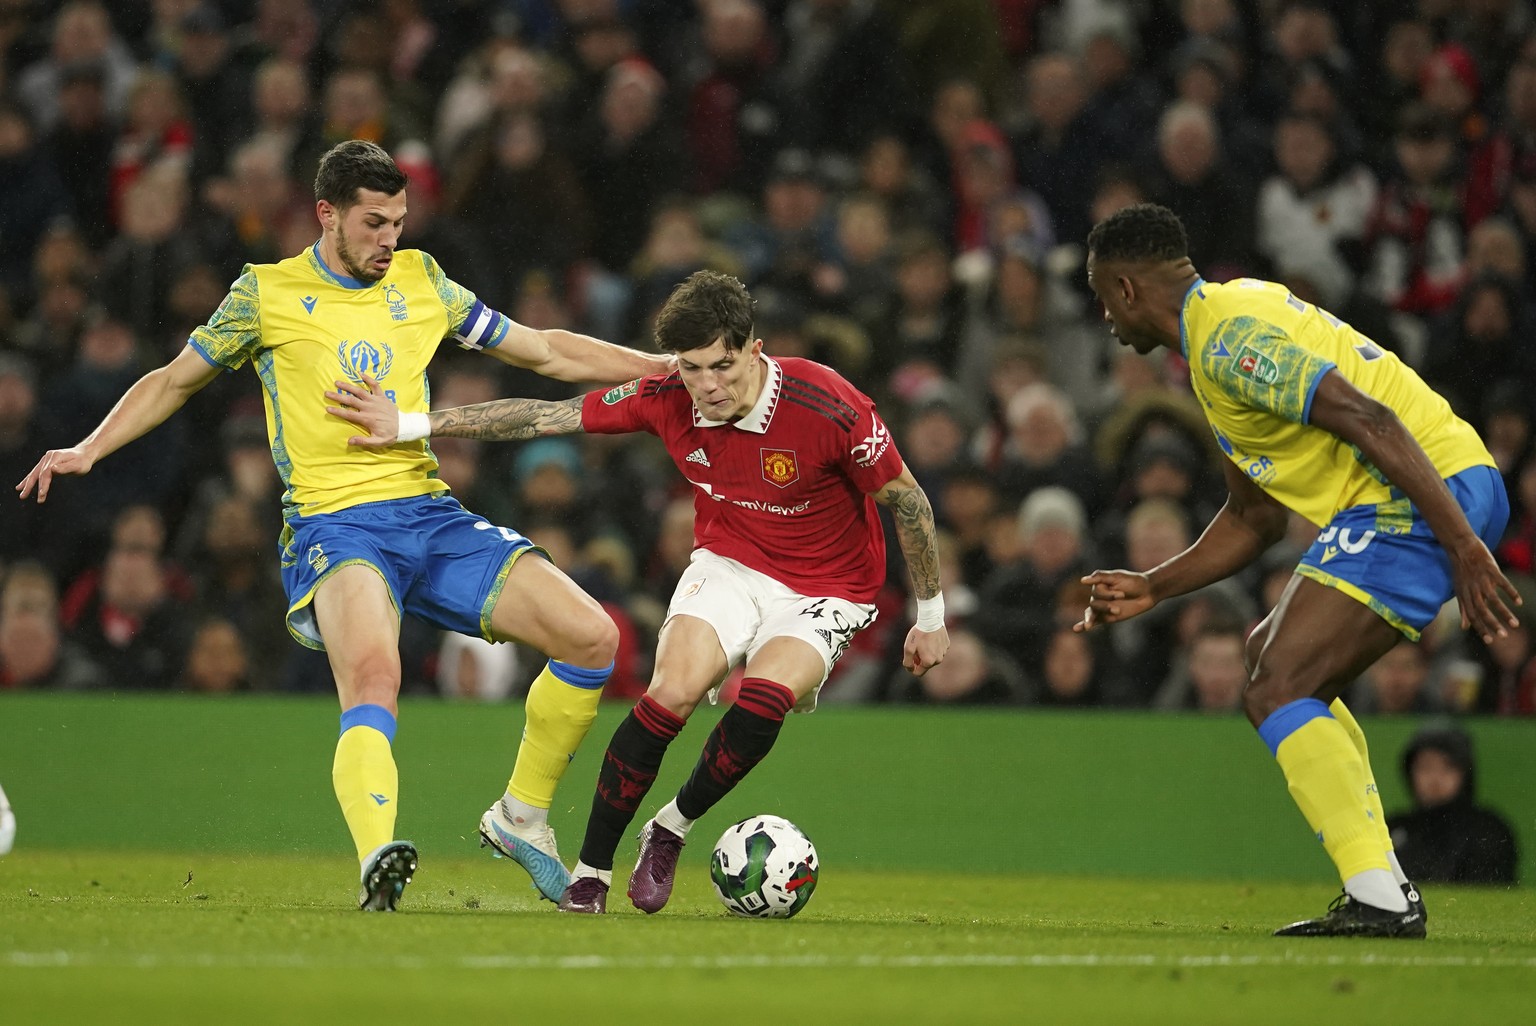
905	188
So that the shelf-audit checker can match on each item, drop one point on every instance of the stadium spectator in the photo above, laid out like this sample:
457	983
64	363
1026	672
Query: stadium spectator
1446	836
1016	611
1414	241
82	33
735	111
1396	684
33	652
31	201
1189	178
80	146
1047	447
218	659
1312	216
972	673
1062	143
1209	675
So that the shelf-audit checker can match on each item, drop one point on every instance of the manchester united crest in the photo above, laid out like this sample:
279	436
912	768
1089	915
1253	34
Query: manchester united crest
779	467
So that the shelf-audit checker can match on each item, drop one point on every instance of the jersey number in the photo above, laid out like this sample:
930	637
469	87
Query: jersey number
1367	349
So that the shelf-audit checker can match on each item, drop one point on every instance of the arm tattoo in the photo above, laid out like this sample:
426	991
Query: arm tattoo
508	420
919	540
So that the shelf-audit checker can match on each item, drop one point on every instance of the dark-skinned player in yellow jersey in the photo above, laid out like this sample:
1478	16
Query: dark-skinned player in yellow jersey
1317	419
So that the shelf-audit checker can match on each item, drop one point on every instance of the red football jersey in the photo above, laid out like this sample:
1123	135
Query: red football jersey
785	489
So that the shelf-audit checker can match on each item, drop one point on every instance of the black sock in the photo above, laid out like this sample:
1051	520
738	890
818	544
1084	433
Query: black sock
629	768
739	741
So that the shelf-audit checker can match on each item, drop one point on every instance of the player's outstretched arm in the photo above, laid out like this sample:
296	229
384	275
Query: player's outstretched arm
928	640
568	356
503	420
1248	523
147	403
1483	592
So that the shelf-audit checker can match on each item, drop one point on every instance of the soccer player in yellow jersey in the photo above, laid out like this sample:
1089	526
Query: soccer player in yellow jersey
1315	418
371	535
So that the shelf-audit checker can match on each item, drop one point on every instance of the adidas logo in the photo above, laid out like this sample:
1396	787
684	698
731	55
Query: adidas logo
697	456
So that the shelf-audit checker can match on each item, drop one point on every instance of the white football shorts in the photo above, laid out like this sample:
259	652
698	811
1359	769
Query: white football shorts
748	609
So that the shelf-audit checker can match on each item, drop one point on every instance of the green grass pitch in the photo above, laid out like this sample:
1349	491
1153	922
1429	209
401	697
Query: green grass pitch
89	937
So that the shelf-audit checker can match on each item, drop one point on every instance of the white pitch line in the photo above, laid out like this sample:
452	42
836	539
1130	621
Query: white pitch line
70	959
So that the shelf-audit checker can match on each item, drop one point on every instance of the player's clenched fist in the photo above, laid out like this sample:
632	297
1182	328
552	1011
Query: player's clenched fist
55	461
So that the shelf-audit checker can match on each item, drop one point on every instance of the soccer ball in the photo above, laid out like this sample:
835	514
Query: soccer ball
764	867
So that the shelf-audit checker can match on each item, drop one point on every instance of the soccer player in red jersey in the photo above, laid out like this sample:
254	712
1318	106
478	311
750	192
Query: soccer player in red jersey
788	460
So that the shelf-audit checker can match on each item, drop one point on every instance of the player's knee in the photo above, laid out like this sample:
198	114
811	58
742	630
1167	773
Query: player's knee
371	681
590	641
1268	691
674	697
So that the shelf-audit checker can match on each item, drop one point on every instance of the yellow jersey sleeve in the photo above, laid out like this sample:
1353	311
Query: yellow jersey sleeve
1256	357
233	334
474	325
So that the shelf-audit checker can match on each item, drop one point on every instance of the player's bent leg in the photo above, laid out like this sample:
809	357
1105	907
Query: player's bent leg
541	606
358	621
689	660
777	676
1318	640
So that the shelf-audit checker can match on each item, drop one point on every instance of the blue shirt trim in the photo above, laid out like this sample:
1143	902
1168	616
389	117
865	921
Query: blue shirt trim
195	344
1184	330
1290	718
340	279
1306	409
375	716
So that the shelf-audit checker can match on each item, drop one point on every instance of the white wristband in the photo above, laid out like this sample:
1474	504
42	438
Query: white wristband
413	427
930	614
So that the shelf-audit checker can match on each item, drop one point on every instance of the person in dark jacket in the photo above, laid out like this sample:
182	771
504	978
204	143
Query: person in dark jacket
1447	837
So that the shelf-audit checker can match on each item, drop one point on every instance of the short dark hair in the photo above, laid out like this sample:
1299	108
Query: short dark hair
1144	232
709	305
353	165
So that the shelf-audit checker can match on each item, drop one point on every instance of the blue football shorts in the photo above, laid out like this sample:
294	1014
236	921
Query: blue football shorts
1385	556
441	562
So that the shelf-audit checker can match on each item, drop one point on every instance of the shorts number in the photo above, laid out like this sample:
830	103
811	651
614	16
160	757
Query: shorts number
507	534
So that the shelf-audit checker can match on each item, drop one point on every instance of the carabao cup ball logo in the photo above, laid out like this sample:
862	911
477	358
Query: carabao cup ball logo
363	357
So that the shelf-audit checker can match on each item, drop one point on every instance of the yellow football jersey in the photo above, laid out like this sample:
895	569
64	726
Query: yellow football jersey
1256	356
304	328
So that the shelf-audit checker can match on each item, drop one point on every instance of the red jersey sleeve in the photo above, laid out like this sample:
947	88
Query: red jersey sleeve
869	457
623	408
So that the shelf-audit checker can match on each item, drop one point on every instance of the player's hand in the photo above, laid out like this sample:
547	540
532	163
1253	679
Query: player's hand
1482	590
924	649
369	408
1115	595
55	461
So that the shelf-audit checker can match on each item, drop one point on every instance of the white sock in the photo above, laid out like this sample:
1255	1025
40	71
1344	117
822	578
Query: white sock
1376	887
674	820
582	869
1397	868
521	814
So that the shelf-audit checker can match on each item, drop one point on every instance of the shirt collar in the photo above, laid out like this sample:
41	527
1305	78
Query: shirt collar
329	275
758	417
1184	311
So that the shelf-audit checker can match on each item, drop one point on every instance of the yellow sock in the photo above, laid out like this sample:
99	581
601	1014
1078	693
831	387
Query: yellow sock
561	705
1372	795
1327	781
364	775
